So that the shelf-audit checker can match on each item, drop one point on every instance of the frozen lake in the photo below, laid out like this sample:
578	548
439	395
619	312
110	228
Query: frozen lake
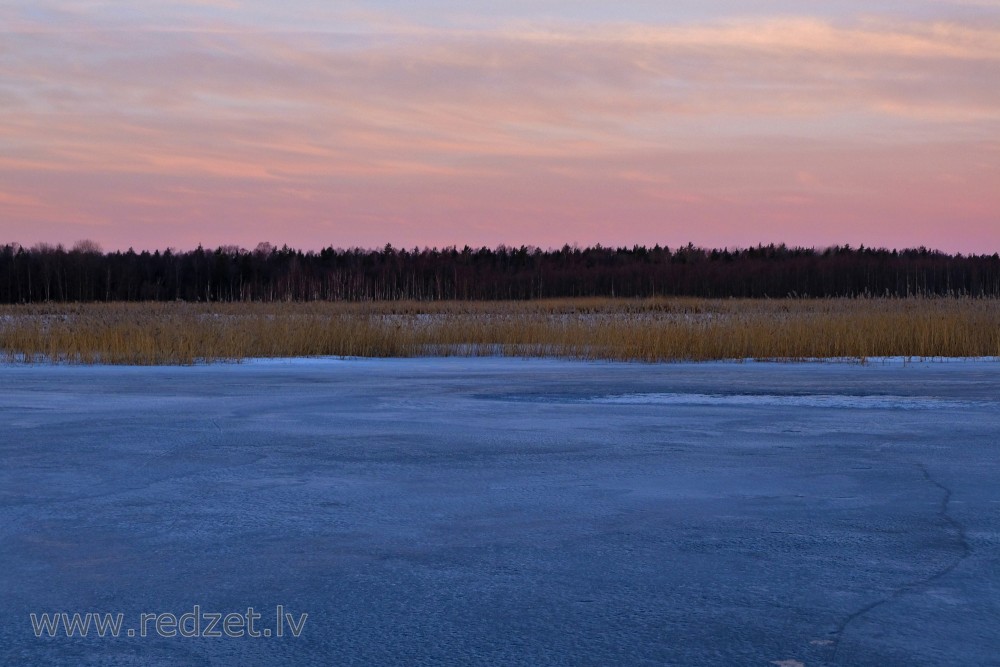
498	511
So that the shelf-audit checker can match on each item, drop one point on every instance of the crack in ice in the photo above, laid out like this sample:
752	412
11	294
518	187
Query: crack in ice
965	549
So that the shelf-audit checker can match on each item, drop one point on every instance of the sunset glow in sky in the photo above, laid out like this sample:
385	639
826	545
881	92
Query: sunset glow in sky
438	122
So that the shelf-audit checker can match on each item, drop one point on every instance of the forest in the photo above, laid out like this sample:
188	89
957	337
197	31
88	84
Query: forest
85	273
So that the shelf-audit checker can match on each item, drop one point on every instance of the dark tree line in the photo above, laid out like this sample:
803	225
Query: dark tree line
85	273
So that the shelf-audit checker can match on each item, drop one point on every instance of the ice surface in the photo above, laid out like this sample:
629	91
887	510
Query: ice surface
506	511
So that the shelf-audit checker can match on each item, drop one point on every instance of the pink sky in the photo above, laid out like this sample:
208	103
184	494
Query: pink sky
175	124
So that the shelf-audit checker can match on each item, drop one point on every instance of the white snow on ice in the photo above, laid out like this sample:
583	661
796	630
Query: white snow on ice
808	401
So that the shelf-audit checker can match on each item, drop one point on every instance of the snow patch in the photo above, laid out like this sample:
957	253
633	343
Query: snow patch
873	402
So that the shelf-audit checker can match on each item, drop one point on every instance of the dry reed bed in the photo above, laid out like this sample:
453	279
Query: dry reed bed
641	330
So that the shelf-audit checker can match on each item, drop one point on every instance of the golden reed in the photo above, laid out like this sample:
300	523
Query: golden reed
613	329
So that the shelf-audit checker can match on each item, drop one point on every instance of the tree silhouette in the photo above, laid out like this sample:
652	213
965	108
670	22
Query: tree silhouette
268	273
